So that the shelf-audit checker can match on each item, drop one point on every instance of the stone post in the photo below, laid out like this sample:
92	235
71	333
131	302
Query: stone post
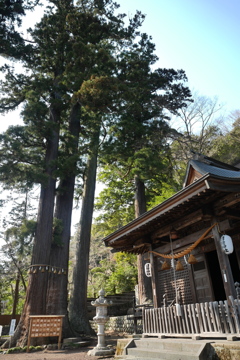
101	318
237	286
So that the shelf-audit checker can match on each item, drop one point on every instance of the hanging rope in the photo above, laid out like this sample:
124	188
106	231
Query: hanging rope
174	271
186	251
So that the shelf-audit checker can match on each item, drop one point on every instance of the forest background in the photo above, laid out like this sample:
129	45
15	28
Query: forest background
147	147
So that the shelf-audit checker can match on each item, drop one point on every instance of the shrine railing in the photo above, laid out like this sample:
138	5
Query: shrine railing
209	319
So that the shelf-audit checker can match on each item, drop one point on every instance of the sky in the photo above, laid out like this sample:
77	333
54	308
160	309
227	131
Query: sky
202	37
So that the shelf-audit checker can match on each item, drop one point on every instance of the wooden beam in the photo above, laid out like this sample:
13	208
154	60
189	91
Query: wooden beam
154	281
223	186
190	239
226	202
224	264
179	224
232	213
176	200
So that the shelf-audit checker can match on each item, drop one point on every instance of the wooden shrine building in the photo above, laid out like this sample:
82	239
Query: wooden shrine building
194	274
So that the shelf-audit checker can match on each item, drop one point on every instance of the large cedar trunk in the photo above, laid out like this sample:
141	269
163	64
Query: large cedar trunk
16	295
57	295
35	302
57	298
144	282
78	301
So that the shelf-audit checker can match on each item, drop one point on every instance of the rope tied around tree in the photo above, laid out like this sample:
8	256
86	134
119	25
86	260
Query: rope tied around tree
35	268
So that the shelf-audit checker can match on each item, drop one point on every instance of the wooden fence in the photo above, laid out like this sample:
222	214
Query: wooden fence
210	319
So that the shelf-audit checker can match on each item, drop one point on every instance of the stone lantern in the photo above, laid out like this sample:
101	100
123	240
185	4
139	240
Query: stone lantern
101	318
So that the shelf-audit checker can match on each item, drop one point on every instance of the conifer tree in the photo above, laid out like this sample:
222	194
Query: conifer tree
138	148
70	64
82	58
11	13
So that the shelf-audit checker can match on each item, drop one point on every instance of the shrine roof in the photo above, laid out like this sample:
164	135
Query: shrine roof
214	180
205	168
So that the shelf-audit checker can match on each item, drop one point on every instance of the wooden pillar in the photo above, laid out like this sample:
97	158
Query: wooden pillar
154	279
224	264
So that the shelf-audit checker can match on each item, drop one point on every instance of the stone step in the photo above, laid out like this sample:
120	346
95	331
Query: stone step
165	349
161	354
169	344
129	357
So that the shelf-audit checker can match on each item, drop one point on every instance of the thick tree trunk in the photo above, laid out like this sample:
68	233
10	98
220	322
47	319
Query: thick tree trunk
140	199
144	282
57	297
35	302
16	295
78	301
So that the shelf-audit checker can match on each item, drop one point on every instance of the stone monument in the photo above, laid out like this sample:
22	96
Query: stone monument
101	318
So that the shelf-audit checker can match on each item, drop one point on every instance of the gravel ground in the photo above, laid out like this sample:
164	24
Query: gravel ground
53	355
77	354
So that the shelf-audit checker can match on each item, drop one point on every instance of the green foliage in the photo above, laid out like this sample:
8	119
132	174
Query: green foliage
11	13
124	276
107	270
18	349
98	93
167	190
115	203
116	274
9	273
19	164
57	232
6	287
226	146
73	57
18	237
138	138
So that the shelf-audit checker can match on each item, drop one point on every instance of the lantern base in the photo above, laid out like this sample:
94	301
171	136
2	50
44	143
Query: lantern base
100	351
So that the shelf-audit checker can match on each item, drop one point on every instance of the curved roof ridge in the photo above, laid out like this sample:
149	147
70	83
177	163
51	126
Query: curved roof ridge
211	161
204	168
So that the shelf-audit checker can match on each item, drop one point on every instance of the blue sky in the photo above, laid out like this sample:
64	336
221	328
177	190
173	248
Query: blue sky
201	37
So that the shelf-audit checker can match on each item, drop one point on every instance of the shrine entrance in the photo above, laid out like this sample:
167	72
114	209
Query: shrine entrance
216	276
202	280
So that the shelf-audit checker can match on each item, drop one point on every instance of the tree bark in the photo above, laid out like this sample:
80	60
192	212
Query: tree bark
57	297
78	301
16	295
144	282
35	302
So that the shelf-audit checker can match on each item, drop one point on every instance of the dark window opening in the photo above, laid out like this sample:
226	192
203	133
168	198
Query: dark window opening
199	266
234	266
216	276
